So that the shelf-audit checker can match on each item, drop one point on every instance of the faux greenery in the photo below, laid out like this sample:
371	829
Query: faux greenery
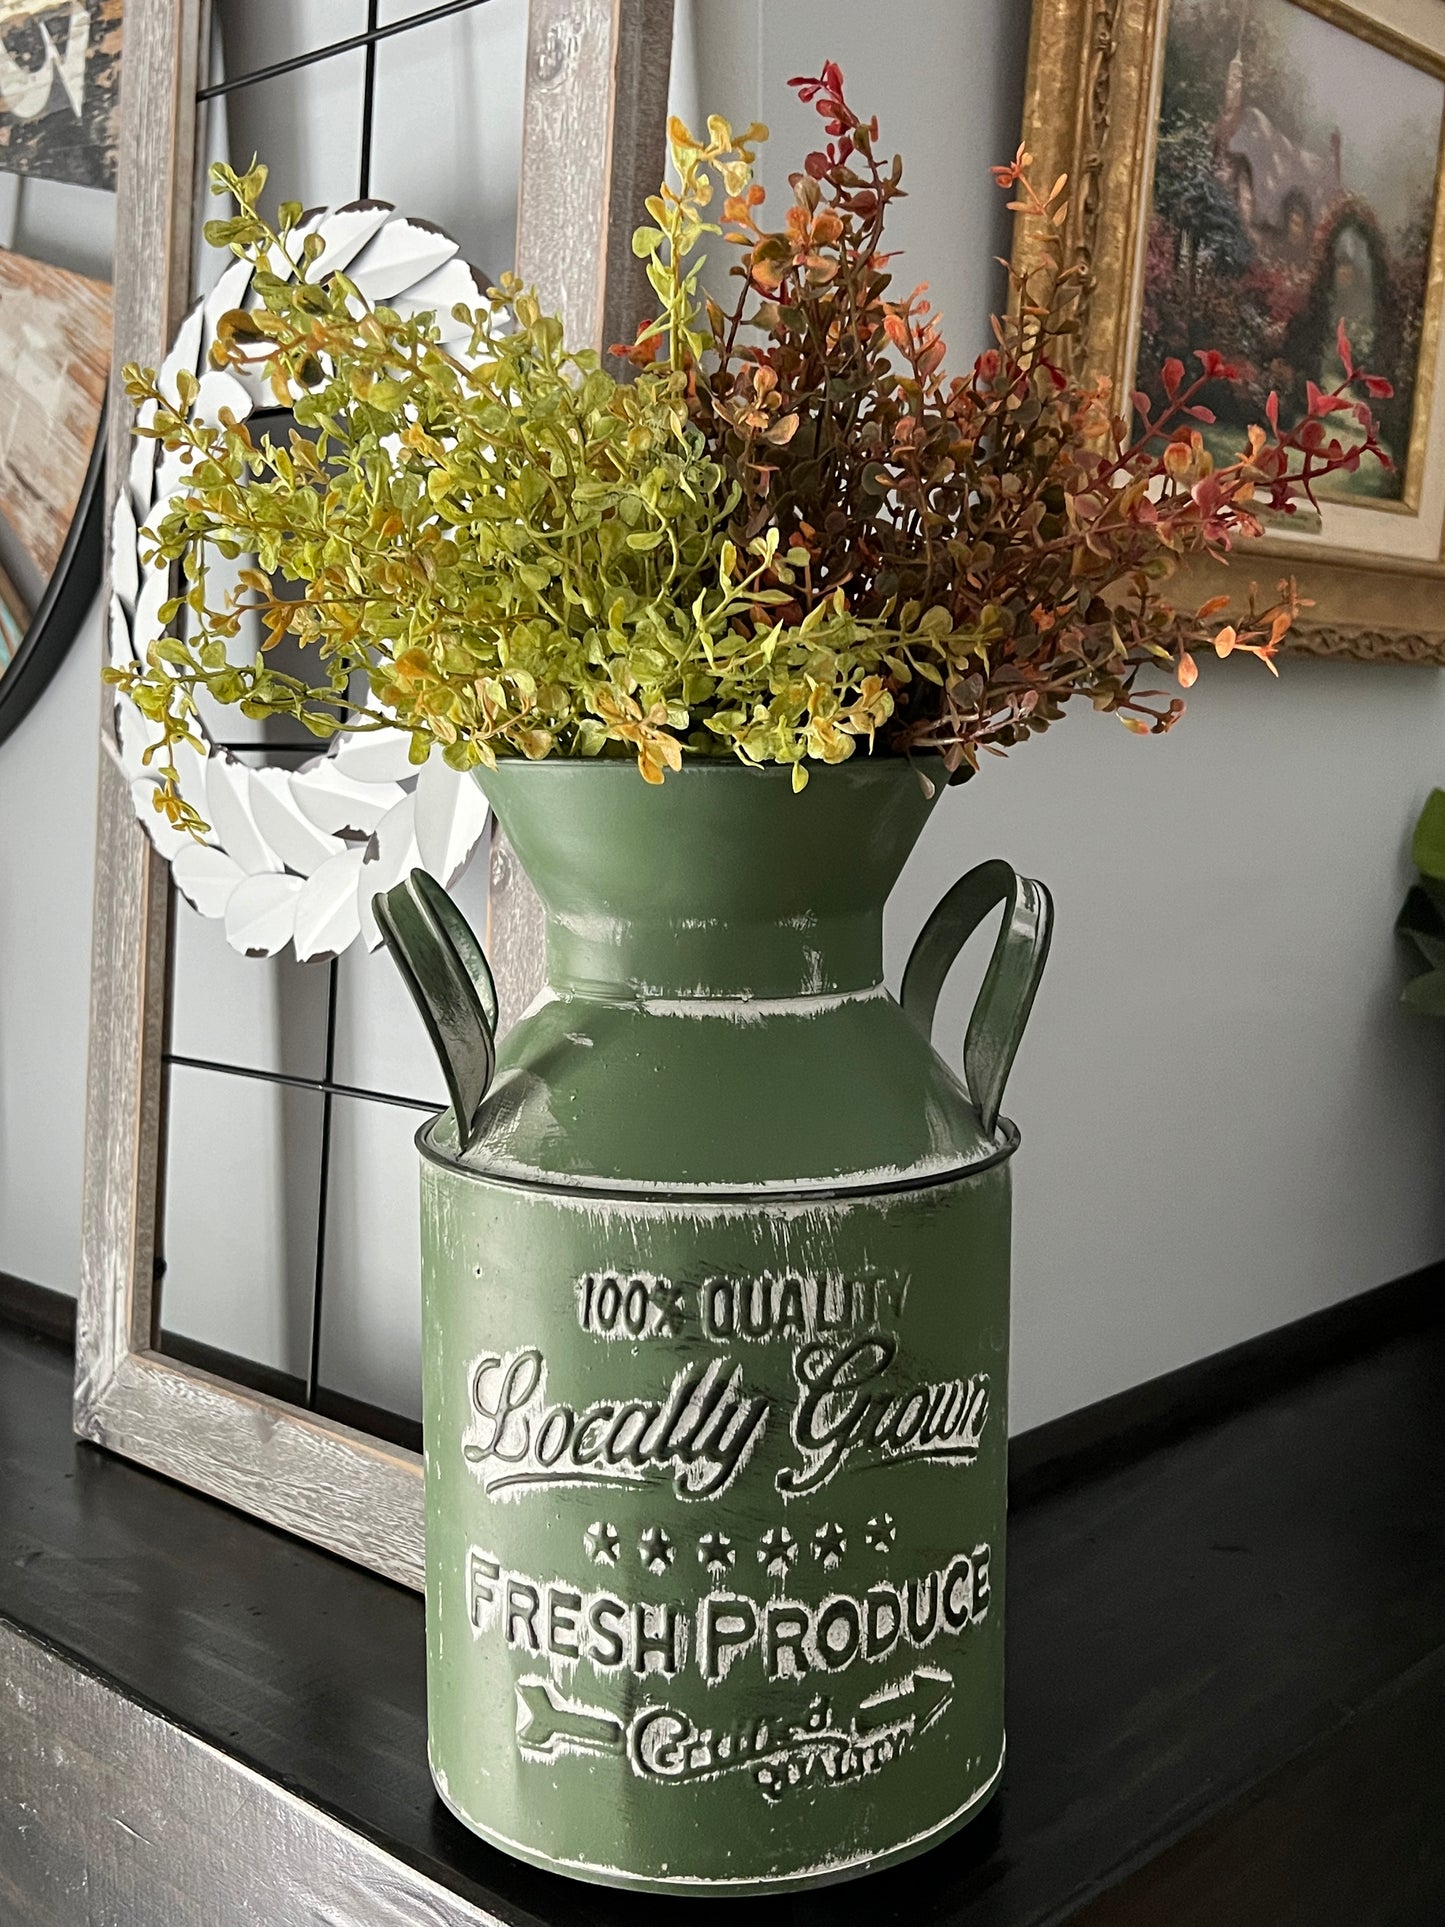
788	533
1422	917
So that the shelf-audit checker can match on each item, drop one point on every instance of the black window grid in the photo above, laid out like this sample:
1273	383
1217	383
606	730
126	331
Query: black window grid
312	1391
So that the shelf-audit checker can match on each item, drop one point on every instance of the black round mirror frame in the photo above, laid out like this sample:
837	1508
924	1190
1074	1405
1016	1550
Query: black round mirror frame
68	595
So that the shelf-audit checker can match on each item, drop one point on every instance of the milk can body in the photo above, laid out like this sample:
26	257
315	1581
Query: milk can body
716	1275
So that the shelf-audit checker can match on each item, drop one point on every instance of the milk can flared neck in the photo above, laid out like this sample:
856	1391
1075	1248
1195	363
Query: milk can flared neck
719	883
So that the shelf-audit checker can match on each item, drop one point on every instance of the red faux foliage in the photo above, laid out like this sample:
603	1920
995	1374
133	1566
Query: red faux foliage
1009	532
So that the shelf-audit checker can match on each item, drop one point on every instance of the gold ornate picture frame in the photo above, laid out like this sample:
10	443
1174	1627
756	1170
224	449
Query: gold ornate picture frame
1372	569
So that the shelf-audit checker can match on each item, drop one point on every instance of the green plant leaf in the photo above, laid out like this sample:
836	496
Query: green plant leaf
1422	913
1426	994
1427	848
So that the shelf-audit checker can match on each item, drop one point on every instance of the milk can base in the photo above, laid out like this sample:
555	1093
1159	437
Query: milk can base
707	1888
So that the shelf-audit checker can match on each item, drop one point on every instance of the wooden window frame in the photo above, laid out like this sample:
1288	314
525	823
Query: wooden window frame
592	143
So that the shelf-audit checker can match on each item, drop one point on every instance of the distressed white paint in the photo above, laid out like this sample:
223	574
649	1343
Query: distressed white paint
855	1183
754	1010
494	1593
831	1867
709	1424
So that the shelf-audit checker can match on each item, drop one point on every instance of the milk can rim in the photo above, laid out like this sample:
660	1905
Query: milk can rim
1007	1133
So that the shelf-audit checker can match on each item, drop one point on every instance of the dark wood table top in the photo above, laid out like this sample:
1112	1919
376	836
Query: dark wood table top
1226	1697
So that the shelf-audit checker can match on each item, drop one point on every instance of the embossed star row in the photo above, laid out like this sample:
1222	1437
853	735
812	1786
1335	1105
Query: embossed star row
777	1549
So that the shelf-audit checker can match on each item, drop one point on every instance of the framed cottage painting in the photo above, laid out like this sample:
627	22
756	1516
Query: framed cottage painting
1251	176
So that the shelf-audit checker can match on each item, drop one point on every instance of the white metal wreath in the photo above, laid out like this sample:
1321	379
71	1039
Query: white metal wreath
293	856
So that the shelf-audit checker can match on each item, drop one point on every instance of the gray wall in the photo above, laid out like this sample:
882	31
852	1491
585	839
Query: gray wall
47	844
47	841
1227	1120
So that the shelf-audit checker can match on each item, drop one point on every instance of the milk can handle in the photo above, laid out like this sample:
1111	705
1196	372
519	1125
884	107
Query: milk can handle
446	971
996	1027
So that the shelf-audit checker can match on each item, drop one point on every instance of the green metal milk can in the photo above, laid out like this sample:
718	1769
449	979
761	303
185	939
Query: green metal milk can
716	1275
